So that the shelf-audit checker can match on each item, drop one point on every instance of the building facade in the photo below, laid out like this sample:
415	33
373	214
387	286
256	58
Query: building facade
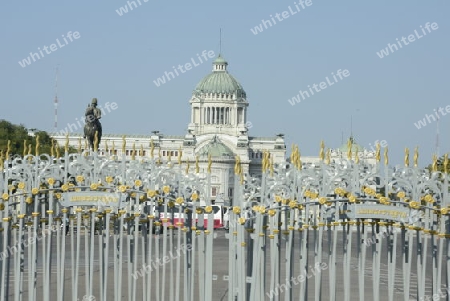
218	128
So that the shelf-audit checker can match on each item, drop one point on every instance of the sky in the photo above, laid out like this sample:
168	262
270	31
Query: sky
117	56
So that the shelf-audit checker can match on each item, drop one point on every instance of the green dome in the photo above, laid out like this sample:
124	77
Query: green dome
220	81
220	60
215	148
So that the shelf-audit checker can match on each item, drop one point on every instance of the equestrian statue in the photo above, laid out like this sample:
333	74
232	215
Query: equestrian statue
92	124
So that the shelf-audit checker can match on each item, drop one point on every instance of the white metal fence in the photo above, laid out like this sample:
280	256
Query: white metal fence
88	227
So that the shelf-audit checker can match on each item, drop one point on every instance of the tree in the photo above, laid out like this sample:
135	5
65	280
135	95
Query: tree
20	140
439	164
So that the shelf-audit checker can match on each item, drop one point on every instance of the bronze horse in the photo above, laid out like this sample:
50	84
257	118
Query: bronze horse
92	127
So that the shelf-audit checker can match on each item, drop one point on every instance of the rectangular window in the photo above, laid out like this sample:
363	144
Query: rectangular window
214	191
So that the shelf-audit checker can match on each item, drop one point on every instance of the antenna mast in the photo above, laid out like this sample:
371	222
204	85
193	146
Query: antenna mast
220	41
56	101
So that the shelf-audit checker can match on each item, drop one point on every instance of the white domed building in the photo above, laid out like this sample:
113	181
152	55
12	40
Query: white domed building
218	127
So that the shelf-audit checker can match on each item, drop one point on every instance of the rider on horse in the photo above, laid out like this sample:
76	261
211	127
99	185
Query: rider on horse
92	116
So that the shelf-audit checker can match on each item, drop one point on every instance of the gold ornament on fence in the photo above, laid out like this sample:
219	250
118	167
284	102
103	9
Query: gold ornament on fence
96	141
378	152
66	145
406	157
237	166
24	148
416	156
37	145
187	166
113	148
322	150
349	148
445	163
152	148
209	163
133	152
57	149
328	159
52	154
434	166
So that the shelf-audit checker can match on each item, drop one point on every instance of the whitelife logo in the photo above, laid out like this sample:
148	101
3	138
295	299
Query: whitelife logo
188	66
423	122
52	48
281	17
411	38
319	87
124	9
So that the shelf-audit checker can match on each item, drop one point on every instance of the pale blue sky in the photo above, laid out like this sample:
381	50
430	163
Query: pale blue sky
117	58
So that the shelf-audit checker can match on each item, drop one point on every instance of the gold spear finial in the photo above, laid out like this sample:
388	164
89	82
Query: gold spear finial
271	166
434	166
263	162
24	148
113	148
180	154
328	159
57	149
37	145
152	148
96	141
209	163
322	150
356	156
197	167
124	144
187	166
133	152
51	148
386	157
349	148
416	156
445	163
298	158
378	152
66	145
293	154
406	157
8	149
237	165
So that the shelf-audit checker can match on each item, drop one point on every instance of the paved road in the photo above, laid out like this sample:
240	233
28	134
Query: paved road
220	273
